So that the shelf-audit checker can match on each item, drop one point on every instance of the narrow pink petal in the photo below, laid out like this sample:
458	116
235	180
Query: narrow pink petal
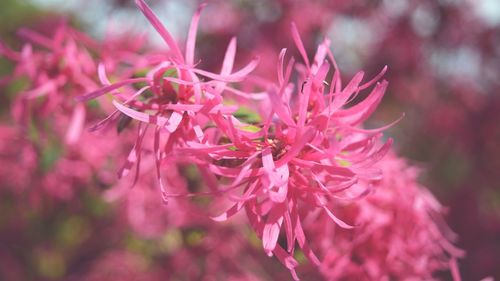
153	19
287	260
303	244
336	76
173	121
109	88
211	104
299	44
110	117
271	231
232	172
251	96
36	38
452	249
303	105
27	56
281	61
352	87
44	89
321	54
134	155
377	130
140	116
290	236
371	174
378	155
76	124
101	73
157	152
288	73
184	82
375	79
454	270
340	185
198	107
9	53
305	95
358	196
191	39
297	146
322	72
236	207
245	171
248	68
234	77
349	143
161	67
198	132
228	127
227	64
170	123
281	110
364	109
338	221
201	147
229	213
280	180
198	93
267	160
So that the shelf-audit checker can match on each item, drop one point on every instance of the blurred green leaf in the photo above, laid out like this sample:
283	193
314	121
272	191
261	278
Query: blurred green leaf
247	115
73	231
194	237
50	154
50	264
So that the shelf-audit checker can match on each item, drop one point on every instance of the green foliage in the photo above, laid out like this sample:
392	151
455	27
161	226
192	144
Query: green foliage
247	115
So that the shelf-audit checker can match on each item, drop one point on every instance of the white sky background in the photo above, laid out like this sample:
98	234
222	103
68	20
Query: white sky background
175	14
345	31
99	16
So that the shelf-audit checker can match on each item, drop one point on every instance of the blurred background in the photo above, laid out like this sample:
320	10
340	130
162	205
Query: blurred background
444	74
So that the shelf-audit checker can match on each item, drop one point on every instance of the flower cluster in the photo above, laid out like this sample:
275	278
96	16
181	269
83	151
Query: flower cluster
402	214
291	151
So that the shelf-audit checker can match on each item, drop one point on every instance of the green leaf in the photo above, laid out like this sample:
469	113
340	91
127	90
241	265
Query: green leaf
50	155
50	264
250	128
300	257
73	231
18	85
247	115
93	104
171	241
194	237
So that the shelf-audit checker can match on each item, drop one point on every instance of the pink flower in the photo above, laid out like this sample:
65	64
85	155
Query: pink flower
307	152
55	67
49	123
180	102
400	234
294	155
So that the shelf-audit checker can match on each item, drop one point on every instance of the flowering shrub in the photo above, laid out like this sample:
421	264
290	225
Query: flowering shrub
323	194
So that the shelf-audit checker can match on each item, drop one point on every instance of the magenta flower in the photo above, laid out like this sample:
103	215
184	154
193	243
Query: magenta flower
400	234
55	67
292	152
308	151
179	102
49	123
